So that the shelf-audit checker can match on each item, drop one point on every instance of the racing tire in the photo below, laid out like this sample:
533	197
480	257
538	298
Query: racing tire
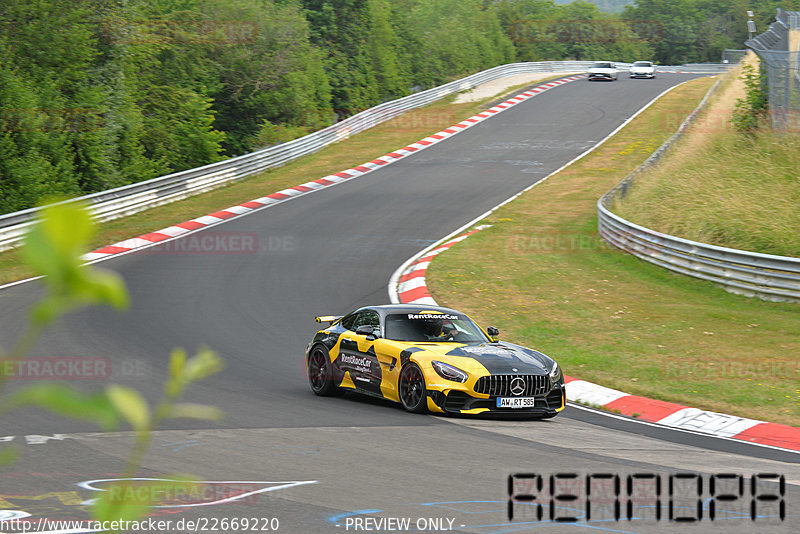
412	390
320	373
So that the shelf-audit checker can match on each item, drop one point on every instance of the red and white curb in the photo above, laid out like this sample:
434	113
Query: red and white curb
412	289
218	217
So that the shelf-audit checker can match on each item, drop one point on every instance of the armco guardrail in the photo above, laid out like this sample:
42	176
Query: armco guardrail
129	199
767	276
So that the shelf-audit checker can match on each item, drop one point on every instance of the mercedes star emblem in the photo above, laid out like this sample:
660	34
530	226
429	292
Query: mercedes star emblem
517	386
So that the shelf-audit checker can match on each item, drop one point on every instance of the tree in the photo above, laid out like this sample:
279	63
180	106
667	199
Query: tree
382	45
340	28
688	31
457	37
542	30
269	72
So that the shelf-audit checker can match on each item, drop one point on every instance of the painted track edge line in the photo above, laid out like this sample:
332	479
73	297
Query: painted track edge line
677	428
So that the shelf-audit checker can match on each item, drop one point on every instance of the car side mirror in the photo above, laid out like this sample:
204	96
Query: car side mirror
493	332
367	330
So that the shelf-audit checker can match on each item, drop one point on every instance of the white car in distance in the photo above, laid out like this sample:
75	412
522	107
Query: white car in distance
643	69
602	70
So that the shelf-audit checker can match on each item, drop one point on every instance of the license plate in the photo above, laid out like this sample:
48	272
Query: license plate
516	402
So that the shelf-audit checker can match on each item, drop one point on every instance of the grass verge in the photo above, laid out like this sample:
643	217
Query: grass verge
722	187
377	141
545	278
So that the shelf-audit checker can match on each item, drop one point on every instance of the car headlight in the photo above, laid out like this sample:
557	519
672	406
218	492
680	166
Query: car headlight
555	373
448	372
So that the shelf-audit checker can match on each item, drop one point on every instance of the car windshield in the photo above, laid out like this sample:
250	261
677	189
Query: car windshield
602	65
642	64
433	327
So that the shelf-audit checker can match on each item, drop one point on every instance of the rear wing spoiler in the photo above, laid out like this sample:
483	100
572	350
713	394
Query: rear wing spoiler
330	319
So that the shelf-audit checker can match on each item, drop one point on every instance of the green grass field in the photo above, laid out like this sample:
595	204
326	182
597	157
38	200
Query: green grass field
735	192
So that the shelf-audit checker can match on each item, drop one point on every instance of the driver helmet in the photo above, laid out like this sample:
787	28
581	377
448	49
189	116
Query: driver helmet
432	327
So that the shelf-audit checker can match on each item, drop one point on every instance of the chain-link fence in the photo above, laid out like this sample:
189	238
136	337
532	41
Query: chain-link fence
779	50
730	55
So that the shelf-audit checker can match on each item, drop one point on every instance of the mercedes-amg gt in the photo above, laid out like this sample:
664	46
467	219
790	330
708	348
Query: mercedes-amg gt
432	359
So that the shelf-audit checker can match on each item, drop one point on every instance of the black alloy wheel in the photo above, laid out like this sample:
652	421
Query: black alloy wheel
320	372
413	393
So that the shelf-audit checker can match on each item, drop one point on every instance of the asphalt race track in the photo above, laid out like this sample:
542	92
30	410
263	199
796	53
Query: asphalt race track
325	465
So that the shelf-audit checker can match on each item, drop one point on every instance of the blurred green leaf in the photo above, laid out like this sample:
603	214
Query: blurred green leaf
204	364
57	239
8	455
195	411
123	501
67	401
131	405
177	361
48	309
99	286
53	248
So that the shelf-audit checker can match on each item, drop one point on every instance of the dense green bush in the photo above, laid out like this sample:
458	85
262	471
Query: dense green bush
751	111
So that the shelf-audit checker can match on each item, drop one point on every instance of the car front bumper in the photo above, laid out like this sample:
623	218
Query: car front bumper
458	401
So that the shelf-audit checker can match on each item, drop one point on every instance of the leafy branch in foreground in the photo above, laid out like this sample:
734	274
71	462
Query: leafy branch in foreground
54	248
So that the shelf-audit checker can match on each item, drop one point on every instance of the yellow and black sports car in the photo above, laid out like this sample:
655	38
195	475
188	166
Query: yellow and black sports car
433	359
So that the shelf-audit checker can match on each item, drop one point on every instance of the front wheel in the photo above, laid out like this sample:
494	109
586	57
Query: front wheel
413	393
320	373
